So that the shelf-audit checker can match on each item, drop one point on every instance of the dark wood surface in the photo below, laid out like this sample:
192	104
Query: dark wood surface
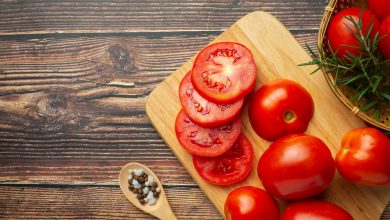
65	131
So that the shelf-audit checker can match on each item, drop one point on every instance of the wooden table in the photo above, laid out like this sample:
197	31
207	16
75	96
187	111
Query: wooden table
66	127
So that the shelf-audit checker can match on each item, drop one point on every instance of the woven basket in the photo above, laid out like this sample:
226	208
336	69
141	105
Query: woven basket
343	92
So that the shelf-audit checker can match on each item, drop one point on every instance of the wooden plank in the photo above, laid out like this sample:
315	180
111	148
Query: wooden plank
277	55
51	202
85	202
108	16
50	119
87	172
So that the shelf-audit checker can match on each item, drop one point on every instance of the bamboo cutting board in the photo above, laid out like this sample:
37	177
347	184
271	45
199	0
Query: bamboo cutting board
277	55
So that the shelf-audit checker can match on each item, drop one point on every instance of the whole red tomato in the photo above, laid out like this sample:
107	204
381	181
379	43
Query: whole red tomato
364	157
381	8
280	107
342	39
250	203
384	43
296	166
315	210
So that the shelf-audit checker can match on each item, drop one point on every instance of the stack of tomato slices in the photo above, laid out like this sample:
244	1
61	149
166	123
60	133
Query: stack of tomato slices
209	124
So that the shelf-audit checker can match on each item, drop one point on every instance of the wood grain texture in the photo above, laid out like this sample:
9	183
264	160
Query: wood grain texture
258	31
57	110
60	123
118	16
51	202
87	172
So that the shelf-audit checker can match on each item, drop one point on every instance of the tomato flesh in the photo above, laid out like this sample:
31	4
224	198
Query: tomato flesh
384	33
206	142
296	166
341	39
202	111
250	203
364	157
228	168
224	72
315	210
280	107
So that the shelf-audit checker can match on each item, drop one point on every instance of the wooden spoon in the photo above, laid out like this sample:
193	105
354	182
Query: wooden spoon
161	208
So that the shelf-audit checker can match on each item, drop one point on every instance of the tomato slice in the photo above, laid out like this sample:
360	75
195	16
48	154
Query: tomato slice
202	111
228	168
206	142
224	72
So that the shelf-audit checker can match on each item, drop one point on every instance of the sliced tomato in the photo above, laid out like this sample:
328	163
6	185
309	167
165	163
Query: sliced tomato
202	111
206	142
224	72
231	167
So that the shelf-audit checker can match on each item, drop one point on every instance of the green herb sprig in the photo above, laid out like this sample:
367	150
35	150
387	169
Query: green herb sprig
367	74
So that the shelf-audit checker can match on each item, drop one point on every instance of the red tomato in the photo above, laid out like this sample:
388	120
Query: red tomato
315	210
364	157
228	168
280	107
250	203
381	8
341	38
206	142
224	72
296	166
202	111
384	43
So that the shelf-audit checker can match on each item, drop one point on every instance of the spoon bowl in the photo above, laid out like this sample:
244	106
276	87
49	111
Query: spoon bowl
161	208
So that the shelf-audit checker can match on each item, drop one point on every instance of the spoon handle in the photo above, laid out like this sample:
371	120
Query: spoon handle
166	214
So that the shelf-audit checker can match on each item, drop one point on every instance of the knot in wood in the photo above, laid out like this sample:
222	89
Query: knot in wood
56	112
56	102
122	60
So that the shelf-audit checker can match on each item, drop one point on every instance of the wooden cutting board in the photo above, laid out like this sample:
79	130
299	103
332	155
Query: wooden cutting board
277	55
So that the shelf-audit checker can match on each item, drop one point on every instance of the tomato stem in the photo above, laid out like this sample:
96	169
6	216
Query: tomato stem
289	116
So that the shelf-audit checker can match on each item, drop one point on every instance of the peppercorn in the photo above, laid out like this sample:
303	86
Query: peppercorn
142	183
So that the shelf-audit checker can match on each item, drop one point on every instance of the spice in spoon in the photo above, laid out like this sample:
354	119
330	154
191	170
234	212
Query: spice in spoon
143	186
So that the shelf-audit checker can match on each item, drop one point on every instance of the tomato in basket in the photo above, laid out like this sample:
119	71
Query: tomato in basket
341	31
384	33
381	8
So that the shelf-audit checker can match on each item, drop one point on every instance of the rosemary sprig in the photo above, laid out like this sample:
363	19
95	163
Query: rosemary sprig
367	74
